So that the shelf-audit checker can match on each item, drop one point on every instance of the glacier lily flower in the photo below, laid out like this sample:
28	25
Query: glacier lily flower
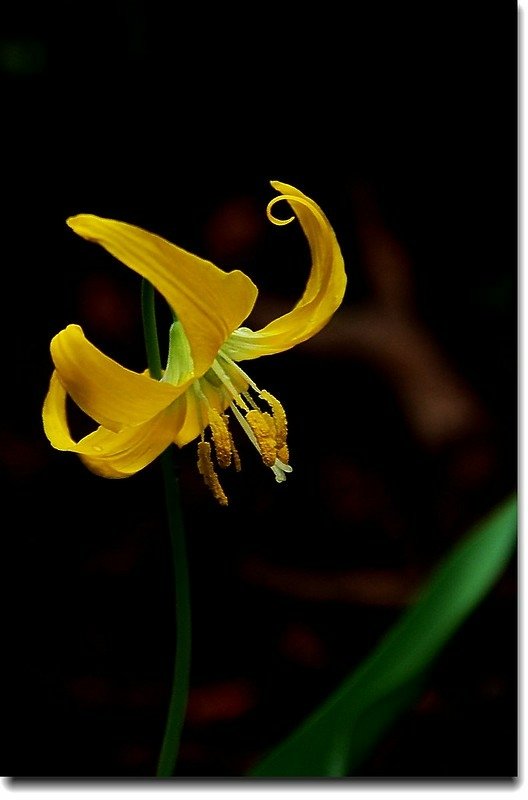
139	417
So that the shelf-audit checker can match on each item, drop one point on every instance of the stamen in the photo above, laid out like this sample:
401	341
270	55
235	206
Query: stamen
221	437
266	431
247	430
217	369
207	470
283	454
281	424
234	451
201	403
249	400
279	466
236	367
263	427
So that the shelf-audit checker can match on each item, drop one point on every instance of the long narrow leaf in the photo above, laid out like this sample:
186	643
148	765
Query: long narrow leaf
336	737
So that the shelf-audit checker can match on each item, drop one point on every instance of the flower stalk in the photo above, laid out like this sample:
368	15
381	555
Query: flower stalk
182	661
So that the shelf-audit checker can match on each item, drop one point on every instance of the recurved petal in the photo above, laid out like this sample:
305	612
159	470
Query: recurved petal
209	302
324	289
109	393
112	455
129	451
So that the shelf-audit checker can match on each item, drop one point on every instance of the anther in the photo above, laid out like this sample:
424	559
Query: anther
221	437
281	424
207	470
234	451
263	427
283	454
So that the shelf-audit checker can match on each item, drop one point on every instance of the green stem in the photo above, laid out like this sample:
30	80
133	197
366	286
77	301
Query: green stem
182	661
150	330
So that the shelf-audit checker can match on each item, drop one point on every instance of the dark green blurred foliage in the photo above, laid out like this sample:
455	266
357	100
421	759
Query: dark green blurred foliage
337	737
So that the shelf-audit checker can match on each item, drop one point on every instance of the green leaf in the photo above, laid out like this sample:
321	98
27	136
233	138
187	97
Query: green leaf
337	736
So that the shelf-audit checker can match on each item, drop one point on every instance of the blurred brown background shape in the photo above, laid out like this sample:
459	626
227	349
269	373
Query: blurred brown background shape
402	412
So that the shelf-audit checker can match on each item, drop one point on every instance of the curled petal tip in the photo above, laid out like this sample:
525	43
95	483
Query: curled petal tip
323	292
71	221
80	224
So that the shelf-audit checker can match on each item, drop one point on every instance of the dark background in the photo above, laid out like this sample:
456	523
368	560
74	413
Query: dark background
401	121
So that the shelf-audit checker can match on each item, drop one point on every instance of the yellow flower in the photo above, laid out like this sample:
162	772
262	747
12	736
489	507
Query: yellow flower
139	417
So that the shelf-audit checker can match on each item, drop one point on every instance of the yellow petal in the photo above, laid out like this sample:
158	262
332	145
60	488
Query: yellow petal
112	455
209	302
323	293
109	393
54	415
129	451
192	421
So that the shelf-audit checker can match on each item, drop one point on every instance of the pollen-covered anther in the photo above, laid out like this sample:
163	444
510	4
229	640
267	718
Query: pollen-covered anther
234	451
221	437
279	418
207	470
263	427
283	454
